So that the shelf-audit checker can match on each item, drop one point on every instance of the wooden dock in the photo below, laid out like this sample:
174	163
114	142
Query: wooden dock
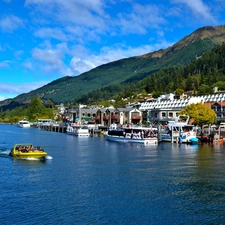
61	127
53	127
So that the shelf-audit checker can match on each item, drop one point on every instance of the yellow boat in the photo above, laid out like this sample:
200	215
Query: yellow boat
27	151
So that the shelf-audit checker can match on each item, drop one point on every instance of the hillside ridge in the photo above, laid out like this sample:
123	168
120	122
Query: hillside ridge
127	70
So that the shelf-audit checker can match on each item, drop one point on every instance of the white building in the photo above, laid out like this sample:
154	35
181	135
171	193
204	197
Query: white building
164	109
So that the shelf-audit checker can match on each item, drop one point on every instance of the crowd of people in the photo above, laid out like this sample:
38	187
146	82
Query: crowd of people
27	148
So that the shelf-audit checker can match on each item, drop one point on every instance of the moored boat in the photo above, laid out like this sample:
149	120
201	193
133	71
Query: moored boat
26	150
179	131
78	130
23	123
142	135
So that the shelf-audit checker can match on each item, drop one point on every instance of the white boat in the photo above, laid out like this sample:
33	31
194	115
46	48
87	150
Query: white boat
23	123
78	130
179	131
142	135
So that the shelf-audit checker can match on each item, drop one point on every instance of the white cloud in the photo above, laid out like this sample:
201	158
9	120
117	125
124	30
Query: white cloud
48	32
4	64
108	54
199	9
10	23
141	19
16	89
3	98
88	13
28	65
48	59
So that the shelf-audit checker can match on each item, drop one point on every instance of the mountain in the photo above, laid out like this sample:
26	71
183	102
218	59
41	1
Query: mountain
126	70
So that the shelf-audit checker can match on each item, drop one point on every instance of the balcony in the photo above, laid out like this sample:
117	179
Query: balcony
115	117
135	117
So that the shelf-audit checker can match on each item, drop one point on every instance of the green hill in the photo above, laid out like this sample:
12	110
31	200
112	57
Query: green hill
127	70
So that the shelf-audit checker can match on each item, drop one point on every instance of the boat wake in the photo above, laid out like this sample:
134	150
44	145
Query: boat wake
39	159
4	152
31	159
48	157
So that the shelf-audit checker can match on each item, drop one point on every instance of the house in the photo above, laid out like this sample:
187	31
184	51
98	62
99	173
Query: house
129	116
108	116
219	108
82	114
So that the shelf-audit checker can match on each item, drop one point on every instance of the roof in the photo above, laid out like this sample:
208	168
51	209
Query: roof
218	103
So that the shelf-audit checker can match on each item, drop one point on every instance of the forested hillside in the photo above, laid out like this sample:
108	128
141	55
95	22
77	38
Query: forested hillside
201	75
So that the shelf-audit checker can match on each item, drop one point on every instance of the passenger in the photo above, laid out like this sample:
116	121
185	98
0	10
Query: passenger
38	148
23	149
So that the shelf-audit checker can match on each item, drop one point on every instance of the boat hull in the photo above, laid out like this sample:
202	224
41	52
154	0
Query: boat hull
24	125
83	134
145	141
24	155
189	140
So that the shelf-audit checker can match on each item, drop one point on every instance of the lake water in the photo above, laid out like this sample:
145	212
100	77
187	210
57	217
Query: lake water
92	181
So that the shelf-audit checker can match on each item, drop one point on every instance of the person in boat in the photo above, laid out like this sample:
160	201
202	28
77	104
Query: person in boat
26	149
30	148
39	149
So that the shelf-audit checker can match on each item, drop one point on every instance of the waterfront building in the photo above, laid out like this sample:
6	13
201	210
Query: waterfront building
83	114
219	108
162	109
165	109
108	116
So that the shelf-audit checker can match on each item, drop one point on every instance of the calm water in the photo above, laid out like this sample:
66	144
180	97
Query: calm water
92	181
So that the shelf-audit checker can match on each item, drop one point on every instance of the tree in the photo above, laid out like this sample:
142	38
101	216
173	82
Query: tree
204	89
201	113
179	91
49	104
35	109
220	85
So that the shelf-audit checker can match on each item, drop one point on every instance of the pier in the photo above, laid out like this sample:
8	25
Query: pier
61	127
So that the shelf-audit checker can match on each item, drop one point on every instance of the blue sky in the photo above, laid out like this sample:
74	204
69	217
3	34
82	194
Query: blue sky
44	40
